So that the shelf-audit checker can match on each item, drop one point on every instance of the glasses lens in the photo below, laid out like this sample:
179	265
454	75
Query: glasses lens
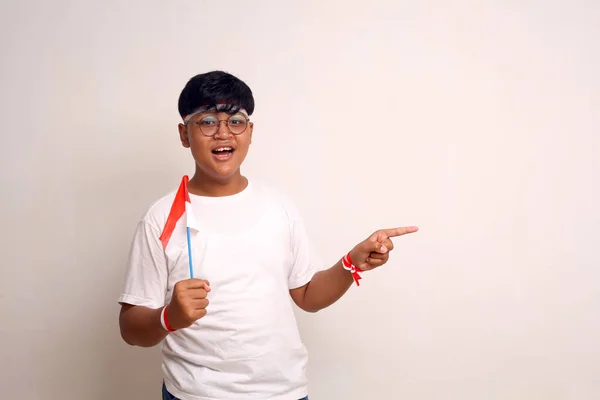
237	123
209	125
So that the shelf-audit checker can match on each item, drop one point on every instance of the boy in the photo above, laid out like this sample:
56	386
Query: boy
229	331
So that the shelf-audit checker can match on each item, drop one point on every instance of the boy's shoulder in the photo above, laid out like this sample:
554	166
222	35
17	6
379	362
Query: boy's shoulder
157	213
268	189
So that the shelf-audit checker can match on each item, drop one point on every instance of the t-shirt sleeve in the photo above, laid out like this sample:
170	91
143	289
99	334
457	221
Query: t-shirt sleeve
305	259
147	273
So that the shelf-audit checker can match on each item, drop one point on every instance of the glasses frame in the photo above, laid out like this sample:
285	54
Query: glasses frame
199	123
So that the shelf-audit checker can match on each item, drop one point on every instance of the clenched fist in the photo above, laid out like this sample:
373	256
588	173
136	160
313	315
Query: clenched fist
188	303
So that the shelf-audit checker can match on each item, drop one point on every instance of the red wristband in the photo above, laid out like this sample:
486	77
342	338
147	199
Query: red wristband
165	321
354	270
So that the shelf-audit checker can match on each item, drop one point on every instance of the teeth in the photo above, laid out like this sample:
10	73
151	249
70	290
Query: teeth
223	149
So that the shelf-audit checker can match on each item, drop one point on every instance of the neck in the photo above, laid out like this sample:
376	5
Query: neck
203	185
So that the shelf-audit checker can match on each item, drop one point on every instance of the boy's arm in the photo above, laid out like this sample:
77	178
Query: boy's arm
141	326
328	286
325	288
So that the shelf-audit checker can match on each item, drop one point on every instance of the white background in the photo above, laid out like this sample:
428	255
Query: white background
478	121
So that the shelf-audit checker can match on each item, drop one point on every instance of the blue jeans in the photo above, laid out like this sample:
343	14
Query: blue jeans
168	396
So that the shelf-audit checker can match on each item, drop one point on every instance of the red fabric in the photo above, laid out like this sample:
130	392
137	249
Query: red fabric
352	268
177	211
169	327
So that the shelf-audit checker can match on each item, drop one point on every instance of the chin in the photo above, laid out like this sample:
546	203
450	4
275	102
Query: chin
219	171
224	175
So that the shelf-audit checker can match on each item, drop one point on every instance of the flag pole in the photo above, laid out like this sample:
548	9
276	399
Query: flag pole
188	219
189	243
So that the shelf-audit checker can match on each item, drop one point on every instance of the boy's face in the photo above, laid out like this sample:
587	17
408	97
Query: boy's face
218	156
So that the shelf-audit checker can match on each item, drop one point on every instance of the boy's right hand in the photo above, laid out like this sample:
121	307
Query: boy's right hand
188	303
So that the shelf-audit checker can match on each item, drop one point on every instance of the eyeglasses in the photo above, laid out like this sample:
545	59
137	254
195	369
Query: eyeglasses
209	125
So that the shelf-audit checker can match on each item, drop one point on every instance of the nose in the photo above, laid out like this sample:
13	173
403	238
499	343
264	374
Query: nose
223	130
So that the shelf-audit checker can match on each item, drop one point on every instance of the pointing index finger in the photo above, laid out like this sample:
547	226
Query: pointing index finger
399	231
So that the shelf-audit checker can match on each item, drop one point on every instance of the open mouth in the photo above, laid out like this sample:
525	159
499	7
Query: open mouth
223	153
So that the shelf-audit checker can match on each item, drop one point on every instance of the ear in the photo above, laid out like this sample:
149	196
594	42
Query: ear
251	130
183	135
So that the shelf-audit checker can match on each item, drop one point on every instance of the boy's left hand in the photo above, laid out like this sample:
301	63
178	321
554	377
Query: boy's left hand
375	250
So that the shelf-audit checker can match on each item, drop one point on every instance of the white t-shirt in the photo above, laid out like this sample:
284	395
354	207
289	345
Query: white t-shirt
252	247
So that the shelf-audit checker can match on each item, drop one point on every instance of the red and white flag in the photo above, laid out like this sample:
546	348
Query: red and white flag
175	230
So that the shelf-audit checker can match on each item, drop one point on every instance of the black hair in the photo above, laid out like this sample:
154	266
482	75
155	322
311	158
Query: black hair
215	88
